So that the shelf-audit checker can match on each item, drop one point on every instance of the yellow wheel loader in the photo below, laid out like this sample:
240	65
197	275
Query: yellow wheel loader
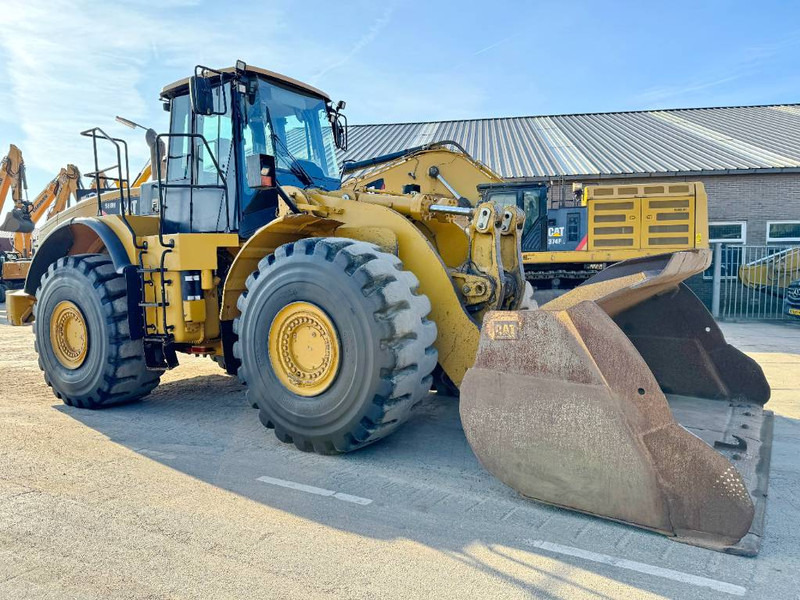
621	398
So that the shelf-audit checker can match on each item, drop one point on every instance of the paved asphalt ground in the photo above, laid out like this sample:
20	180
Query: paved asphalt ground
186	495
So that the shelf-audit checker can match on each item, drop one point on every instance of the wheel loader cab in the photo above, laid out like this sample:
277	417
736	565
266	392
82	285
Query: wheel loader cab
233	135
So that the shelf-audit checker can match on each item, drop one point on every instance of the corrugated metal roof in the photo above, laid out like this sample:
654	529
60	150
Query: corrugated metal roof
608	144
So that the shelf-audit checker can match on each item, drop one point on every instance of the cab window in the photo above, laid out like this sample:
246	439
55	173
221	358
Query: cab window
504	198
218	132
178	147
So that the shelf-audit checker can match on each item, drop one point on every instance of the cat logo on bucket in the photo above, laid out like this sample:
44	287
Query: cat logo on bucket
504	328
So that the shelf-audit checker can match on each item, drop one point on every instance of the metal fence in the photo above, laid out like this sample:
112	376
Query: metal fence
751	282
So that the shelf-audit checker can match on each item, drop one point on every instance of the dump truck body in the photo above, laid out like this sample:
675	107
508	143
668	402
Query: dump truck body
335	306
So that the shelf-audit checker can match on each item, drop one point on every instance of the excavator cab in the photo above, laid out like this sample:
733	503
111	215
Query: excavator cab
531	199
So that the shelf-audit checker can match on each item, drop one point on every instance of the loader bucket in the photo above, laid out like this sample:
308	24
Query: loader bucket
622	399
17	221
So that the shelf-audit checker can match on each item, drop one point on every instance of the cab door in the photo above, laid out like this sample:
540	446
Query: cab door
533	203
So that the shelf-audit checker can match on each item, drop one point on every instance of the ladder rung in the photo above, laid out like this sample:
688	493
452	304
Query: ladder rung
153	304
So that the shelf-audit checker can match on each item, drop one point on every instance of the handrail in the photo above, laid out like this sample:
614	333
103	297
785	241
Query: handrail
123	189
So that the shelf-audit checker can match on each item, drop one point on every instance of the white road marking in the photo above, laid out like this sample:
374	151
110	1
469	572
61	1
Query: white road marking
631	565
302	487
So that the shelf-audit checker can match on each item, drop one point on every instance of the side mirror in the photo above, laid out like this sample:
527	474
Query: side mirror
206	98
340	131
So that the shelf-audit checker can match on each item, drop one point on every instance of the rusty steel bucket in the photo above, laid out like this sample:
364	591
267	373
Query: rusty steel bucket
622	399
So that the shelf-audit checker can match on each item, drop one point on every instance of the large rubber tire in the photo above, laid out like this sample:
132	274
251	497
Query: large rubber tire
3	290
386	342
113	371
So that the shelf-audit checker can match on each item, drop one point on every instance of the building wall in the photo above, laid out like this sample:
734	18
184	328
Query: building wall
752	198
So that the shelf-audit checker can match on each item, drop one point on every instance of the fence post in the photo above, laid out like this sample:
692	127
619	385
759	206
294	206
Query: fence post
717	280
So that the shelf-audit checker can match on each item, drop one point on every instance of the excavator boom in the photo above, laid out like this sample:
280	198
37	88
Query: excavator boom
12	177
54	197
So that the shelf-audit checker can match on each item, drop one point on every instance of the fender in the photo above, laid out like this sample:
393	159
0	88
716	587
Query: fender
263	242
458	333
89	235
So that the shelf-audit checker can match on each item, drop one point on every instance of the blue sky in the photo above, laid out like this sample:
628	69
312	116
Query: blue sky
71	64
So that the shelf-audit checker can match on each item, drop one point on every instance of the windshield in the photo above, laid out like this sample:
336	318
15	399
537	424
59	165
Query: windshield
294	128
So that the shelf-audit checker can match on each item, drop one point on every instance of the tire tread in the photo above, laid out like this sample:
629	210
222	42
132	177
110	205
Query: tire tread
402	310
126	377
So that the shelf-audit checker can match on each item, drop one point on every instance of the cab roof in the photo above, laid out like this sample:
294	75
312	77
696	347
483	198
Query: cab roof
181	86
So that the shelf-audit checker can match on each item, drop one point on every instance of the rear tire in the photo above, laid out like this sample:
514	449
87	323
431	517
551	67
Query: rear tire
3	290
385	342
113	370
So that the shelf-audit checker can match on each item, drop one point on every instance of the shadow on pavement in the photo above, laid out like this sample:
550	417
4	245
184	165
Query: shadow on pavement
424	482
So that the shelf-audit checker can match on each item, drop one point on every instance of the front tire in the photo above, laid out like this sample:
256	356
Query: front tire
334	342
82	335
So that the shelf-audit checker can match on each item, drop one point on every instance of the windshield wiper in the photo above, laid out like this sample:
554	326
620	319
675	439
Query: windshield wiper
294	165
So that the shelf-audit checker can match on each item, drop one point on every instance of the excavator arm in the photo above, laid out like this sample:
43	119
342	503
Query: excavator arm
12	177
54	197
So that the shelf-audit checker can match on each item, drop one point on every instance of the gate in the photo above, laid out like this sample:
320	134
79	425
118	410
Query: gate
751	282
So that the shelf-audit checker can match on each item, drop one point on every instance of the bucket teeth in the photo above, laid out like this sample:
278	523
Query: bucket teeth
567	405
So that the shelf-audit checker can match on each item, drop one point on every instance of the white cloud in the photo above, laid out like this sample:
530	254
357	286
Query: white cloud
72	65
361	43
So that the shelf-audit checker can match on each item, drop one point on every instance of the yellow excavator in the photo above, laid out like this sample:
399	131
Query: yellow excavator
334	306
772	273
12	178
23	219
561	246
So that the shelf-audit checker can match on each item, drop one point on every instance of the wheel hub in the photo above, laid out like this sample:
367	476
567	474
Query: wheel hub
69	336
304	348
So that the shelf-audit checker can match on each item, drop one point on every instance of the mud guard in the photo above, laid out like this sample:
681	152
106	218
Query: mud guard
622	399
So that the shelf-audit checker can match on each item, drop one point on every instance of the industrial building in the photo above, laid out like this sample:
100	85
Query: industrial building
748	157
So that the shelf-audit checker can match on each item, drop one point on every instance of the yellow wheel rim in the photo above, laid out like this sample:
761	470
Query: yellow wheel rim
69	337
304	348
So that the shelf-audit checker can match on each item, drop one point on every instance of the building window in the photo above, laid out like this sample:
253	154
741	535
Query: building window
732	235
783	232
730	232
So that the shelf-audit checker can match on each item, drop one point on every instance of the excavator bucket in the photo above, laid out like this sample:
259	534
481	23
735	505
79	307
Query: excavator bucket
622	399
17	221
